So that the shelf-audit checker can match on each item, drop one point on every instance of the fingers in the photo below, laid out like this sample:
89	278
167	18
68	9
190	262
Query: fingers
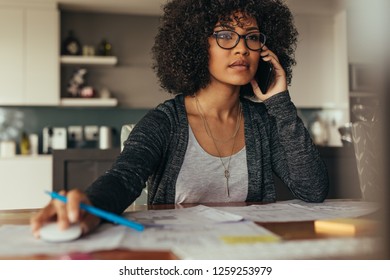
45	215
267	55
256	89
75	197
65	213
62	217
88	223
279	81
54	209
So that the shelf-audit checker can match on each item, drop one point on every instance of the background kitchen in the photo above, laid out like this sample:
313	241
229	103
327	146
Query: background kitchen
51	99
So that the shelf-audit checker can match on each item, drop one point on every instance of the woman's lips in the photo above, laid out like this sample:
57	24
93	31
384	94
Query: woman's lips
239	65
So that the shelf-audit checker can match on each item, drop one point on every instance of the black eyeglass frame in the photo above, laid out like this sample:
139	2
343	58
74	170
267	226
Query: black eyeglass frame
215	33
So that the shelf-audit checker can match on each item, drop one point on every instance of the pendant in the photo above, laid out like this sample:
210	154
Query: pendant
227	175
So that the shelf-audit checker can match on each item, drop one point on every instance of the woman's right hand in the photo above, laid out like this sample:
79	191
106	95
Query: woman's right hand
279	83
65	213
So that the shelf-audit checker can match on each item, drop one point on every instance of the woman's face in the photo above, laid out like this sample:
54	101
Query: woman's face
236	66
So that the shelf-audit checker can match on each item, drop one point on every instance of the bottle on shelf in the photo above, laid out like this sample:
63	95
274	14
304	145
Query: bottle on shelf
105	48
71	45
33	138
25	144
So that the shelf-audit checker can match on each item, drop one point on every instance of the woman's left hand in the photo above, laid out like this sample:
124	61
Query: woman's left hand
279	83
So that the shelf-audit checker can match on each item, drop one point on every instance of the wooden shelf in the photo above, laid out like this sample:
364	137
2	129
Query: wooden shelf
362	94
88	102
89	60
27	158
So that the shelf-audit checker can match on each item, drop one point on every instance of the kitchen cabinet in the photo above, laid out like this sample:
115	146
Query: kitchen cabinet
11	56
23	180
320	78
87	61
78	168
132	80
29	72
342	172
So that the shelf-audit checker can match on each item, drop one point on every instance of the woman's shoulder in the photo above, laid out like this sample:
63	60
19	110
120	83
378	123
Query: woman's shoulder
175	103
169	111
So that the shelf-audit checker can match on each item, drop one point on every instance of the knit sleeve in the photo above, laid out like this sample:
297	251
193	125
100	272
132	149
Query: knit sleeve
295	159
123	183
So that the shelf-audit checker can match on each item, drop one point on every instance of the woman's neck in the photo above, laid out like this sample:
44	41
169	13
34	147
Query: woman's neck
219	101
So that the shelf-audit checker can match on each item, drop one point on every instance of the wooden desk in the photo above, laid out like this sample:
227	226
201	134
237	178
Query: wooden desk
287	230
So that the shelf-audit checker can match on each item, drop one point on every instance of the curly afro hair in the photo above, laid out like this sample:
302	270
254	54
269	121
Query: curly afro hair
180	51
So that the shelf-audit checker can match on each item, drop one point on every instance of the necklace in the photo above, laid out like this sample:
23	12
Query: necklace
209	133
207	127
208	130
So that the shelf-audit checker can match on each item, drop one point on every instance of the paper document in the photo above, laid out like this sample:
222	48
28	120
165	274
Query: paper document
197	215
17	240
296	210
301	249
226	234
20	242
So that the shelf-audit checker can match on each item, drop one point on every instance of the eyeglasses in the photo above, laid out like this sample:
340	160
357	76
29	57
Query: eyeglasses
228	39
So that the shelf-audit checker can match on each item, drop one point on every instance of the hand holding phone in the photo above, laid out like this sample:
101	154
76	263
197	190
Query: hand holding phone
269	79
264	75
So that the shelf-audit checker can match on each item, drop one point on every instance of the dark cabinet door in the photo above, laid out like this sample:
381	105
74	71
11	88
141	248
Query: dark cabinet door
78	168
342	171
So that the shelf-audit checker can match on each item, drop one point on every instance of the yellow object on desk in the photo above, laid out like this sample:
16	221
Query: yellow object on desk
346	227
245	239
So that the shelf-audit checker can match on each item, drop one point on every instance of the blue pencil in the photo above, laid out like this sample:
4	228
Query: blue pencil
101	213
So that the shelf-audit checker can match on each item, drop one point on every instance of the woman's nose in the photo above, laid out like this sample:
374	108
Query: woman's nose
241	47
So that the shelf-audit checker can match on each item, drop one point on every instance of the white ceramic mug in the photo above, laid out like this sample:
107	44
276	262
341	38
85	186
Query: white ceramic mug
7	148
105	137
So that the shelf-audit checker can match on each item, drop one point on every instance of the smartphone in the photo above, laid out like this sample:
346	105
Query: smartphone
264	75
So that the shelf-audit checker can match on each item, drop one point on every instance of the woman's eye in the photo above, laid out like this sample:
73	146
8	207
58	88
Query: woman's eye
225	35
253	37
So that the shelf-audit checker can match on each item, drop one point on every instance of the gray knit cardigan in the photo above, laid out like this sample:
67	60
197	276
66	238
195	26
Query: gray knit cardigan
275	138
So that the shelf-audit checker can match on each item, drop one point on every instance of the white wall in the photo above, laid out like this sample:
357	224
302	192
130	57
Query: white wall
320	78
366	30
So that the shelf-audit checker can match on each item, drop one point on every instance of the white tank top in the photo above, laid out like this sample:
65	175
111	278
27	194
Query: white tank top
202	176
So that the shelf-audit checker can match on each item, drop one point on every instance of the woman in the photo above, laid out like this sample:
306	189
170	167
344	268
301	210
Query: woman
211	143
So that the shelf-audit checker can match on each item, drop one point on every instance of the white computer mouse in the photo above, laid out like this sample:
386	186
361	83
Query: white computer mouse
51	233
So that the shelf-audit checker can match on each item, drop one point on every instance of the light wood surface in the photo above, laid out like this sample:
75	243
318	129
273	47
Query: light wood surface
286	230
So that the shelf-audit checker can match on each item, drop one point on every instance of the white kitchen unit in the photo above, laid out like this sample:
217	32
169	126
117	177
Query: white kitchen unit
29	68
320	78
23	180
